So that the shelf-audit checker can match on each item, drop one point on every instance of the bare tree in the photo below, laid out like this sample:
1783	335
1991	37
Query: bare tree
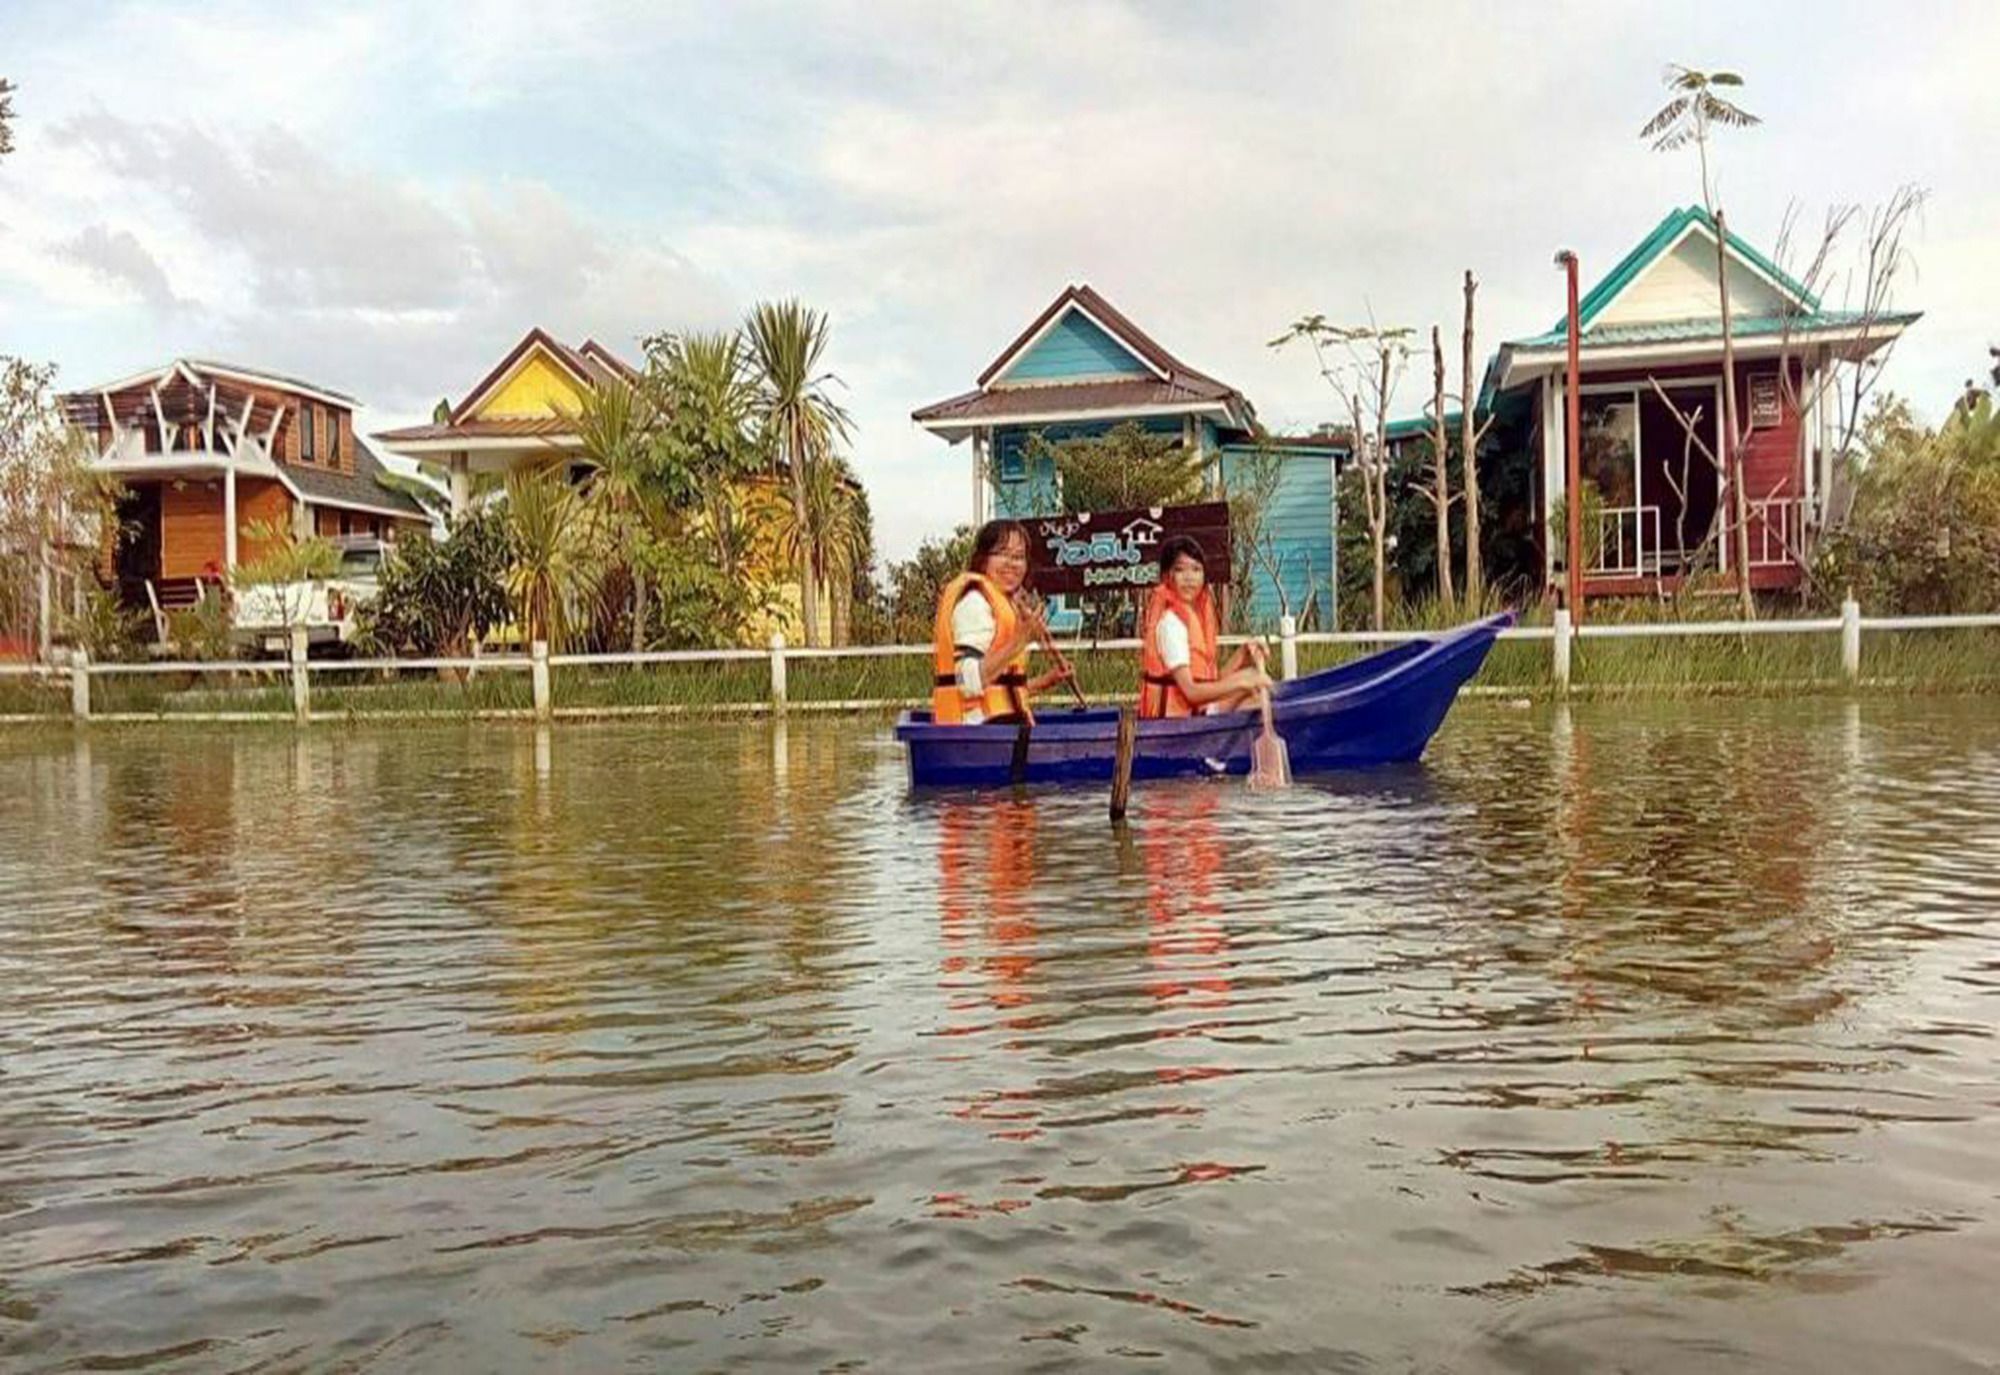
1687	118
1468	448
1860	282
1438	489
1362	364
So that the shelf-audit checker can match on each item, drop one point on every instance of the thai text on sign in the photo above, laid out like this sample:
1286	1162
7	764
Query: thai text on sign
1107	551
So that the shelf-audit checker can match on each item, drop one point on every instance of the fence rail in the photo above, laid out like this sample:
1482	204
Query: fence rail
769	691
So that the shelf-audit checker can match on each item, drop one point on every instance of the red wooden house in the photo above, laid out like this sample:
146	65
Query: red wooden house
1650	344
212	455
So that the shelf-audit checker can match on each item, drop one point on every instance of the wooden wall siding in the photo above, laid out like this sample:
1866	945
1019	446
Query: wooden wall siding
327	522
191	543
258	500
1681	286
1074	348
1300	524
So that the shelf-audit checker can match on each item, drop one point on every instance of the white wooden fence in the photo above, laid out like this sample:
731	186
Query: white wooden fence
542	667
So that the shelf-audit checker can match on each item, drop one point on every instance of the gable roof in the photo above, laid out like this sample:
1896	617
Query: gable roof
1166	387
1666	236
1107	317
563	356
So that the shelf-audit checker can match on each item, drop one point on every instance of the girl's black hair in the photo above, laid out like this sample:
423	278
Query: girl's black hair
991	536
1176	545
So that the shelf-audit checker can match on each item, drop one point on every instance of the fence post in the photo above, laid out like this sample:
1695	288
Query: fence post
1850	639
79	684
1560	650
538	671
1288	646
778	671
301	689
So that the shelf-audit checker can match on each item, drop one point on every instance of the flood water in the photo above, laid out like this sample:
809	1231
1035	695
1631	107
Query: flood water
1636	1036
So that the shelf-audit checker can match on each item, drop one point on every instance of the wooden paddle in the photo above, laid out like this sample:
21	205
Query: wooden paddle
1270	762
1031	607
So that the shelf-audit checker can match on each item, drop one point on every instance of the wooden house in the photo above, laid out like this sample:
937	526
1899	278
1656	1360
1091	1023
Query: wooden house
1082	367
1651	369
212	455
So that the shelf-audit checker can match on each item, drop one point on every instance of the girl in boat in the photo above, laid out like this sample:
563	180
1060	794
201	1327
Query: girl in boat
980	639
1178	645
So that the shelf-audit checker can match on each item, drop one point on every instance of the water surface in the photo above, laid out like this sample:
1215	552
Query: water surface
1638	1036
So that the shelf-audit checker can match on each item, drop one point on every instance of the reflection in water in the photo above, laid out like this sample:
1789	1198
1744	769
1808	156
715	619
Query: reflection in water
1633	1035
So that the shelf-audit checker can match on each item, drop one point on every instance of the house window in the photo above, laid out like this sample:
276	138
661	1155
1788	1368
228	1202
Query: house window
1011	462
306	433
333	439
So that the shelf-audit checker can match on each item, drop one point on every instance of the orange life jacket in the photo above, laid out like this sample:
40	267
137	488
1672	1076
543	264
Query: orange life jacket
1159	694
1006	692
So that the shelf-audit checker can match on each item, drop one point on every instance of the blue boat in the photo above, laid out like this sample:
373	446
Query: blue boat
1382	709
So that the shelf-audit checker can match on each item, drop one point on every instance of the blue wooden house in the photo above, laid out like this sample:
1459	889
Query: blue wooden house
1080	368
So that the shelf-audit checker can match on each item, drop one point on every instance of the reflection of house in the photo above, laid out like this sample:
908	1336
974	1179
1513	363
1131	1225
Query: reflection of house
524	412
1655	319
209	453
1079	369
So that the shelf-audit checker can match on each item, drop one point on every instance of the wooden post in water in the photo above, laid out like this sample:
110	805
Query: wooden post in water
778	689
301	691
79	683
1560	654
1850	639
538	672
1121	768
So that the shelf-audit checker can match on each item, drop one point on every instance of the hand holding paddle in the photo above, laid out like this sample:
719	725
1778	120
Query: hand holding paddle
1030	608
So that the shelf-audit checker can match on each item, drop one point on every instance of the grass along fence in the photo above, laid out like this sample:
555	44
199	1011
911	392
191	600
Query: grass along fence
1695	657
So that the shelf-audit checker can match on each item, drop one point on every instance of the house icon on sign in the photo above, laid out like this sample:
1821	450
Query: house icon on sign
1142	531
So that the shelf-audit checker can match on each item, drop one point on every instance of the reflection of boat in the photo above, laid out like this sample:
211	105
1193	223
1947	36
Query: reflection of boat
1378	710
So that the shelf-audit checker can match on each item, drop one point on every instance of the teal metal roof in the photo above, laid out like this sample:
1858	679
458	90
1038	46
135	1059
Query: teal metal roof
1685	331
1417	426
1665	234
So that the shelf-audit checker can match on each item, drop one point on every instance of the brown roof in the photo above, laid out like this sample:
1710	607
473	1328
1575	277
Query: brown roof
521	427
1132	393
592	364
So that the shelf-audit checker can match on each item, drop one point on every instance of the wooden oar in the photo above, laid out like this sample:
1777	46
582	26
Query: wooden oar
1032	609
1270	762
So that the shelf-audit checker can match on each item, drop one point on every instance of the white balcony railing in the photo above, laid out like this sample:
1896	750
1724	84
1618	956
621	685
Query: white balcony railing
1628	541
1776	525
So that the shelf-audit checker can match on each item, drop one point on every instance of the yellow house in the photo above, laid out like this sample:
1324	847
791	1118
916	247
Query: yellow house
524	411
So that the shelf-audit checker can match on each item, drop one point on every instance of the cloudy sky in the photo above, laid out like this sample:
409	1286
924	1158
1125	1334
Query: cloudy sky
383	197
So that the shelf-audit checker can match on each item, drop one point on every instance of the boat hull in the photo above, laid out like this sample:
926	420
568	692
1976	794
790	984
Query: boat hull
1382	709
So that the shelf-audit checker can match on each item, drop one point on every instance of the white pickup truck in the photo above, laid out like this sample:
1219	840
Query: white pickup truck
266	613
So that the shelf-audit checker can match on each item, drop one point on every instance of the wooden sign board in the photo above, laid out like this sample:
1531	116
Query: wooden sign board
1111	551
1767	405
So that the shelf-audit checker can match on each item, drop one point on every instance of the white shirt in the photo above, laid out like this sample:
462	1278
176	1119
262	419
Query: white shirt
1170	638
972	628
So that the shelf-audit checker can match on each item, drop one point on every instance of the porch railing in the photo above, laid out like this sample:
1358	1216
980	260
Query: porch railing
1775	530
1628	541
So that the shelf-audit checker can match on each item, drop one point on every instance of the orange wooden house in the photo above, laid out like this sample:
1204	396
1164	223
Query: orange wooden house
211	454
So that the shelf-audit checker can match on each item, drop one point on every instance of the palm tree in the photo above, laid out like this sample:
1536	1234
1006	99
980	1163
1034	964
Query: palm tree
834	541
1685	119
798	420
707	392
618	429
553	572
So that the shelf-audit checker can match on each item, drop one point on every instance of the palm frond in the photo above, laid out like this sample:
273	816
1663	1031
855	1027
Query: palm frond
1666	116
